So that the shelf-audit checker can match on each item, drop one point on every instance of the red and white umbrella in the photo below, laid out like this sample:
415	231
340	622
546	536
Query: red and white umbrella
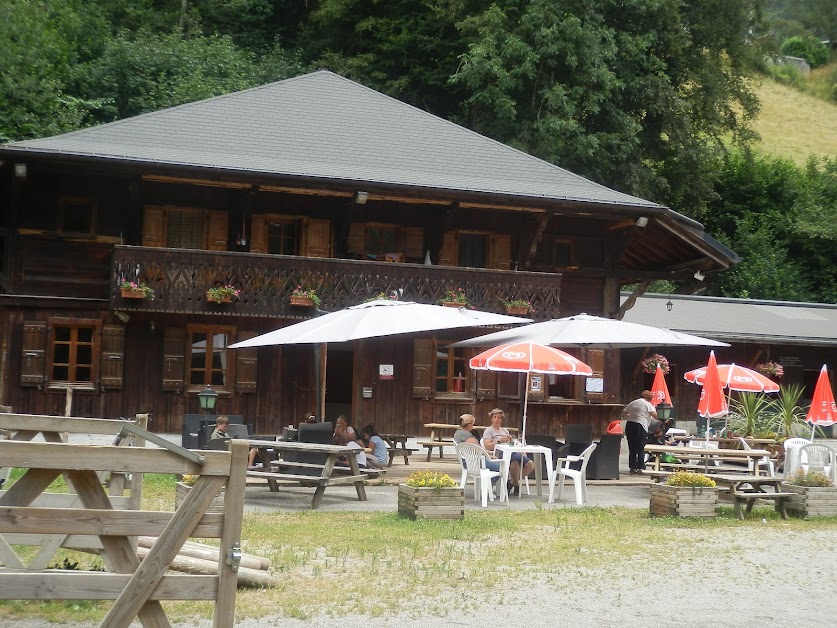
659	389
529	357
712	401
736	377
823	410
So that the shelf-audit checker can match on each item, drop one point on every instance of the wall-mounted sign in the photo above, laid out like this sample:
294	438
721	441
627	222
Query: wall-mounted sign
594	385
367	393
537	383
386	371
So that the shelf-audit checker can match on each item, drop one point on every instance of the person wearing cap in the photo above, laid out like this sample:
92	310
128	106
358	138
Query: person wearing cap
495	434
638	415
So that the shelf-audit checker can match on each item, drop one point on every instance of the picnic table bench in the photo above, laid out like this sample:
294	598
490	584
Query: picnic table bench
397	446
306	472
746	489
708	456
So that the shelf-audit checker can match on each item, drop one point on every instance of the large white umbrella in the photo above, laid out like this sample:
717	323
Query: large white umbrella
375	319
592	332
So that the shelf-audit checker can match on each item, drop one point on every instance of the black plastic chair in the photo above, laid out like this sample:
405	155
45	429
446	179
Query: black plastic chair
604	461
310	433
578	437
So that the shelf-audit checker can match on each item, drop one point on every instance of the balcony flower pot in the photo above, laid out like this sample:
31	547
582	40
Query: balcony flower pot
224	298
302	301
182	490
517	310
128	293
683	501
453	304
811	501
135	290
431	502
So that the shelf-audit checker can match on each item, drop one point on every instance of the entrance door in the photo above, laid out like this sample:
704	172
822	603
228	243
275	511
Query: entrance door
339	378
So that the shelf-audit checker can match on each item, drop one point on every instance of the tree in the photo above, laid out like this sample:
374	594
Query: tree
809	48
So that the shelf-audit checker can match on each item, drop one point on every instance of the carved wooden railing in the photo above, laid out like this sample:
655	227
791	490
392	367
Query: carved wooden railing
181	278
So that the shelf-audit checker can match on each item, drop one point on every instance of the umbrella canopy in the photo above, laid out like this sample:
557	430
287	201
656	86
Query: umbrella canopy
592	332
736	377
712	401
375	319
660	389
529	357
823	410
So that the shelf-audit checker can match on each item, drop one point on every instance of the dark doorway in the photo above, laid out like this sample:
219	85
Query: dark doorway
339	377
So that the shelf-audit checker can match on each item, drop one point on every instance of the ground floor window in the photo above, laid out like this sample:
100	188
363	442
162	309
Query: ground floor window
73	351
208	359
452	373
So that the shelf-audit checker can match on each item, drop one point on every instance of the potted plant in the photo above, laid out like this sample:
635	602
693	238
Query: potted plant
135	290
382	296
454	298
684	494
430	495
305	298
185	485
516	306
649	364
814	494
223	294
770	369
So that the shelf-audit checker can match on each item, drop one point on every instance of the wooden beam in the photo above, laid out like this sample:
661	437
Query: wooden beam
73	425
629	302
543	221
99	586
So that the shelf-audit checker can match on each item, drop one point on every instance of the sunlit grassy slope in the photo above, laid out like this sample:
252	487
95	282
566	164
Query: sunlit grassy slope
795	125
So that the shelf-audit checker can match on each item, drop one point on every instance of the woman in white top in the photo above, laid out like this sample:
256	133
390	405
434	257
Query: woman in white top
496	433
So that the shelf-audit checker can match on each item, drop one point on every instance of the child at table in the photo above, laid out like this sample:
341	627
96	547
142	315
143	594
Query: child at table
222	424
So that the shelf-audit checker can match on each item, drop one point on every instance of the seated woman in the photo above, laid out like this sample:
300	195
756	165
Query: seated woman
496	433
342	427
465	434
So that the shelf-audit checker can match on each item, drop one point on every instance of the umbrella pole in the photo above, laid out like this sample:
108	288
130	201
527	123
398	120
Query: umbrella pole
525	407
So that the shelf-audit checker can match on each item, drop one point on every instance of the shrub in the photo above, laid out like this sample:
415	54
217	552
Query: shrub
687	478
189	480
809	48
430	479
809	478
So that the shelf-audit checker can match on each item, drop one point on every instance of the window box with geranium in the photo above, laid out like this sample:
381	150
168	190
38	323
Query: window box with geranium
454	298
305	298
516	306
770	369
135	290
223	294
649	364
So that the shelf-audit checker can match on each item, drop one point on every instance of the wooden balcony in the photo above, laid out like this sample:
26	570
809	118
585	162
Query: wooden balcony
180	279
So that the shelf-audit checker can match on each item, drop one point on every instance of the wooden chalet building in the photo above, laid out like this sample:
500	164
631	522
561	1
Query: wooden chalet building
316	182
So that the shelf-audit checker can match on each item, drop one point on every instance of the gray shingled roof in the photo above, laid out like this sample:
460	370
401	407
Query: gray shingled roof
322	125
768	322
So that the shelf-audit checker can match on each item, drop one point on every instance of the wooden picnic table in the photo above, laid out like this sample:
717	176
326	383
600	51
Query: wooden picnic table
397	446
708	455
746	489
437	440
293	468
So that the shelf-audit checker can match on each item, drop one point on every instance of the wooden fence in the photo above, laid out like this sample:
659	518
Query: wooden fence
137	588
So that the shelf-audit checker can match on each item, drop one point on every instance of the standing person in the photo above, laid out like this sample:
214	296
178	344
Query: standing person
379	455
496	433
638	414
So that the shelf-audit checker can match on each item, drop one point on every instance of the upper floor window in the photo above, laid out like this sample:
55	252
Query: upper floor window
283	236
73	351
184	229
473	250
208	360
382	241
77	215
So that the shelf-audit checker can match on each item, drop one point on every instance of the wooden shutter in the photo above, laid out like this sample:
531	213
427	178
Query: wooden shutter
538	394
486	385
217	230
414	242
356	240
317	238
501	252
422	368
448	254
246	365
174	359
595	360
258	234
113	357
153	227
508	385
33	358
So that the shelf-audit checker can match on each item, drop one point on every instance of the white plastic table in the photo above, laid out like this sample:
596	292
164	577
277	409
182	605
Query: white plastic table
536	450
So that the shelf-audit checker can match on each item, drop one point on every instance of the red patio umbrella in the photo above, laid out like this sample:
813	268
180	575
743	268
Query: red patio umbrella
823	410
529	357
659	389
736	377
712	401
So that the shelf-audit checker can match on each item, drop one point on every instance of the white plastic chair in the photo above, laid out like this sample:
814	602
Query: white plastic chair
578	476
704	444
765	463
819	457
793	457
474	458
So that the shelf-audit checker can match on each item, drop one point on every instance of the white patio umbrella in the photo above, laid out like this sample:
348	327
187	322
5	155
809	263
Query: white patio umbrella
375	319
593	332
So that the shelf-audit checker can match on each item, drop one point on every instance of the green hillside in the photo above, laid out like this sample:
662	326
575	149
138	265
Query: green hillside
795	125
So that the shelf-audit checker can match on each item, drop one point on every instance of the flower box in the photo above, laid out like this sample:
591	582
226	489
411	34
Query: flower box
302	301
431	503
811	501
683	501
517	310
128	293
182	490
453	304
224	298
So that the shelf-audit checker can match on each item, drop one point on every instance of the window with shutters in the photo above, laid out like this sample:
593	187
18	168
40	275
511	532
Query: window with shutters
74	349
383	240
184	229
208	359
452	375
283	236
473	250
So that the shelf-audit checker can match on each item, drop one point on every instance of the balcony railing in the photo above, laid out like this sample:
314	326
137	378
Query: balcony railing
180	279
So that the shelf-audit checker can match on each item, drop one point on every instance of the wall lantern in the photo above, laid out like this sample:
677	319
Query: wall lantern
207	398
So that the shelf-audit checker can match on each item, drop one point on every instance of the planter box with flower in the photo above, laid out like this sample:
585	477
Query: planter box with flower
430	495
814	494
454	298
183	487
305	298
516	307
135	290
770	369
684	494
222	294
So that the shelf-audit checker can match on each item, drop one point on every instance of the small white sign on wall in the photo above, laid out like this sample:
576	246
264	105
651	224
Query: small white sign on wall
386	371
595	385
